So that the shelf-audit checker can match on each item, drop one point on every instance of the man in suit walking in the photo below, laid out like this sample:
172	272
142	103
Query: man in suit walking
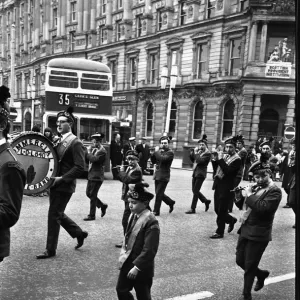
115	155
228	166
258	209
12	178
144	154
71	154
139	248
132	174
200	156
162	158
96	157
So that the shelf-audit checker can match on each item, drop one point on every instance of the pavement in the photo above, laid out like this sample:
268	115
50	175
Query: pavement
189	265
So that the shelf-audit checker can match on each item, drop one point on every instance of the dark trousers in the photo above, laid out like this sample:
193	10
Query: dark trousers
114	172
126	215
196	186
57	218
160	187
142	287
221	202
92	189
248	256
237	181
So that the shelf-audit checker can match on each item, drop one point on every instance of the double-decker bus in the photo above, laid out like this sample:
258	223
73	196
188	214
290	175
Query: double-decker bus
86	86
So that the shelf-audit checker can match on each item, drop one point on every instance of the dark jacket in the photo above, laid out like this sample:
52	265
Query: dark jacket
12	182
97	161
126	148
144	154
71	166
258	226
129	176
230	171
115	153
201	160
144	249
163	160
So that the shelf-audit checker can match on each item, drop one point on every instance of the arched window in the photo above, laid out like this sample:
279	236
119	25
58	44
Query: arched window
198	116
228	115
173	116
149	120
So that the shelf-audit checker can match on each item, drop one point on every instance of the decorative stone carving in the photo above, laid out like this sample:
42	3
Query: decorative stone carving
190	11
144	25
165	19
281	53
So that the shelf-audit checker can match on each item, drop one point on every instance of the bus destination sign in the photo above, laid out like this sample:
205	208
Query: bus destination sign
82	103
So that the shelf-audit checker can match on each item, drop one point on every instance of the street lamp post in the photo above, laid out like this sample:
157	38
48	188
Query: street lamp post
173	79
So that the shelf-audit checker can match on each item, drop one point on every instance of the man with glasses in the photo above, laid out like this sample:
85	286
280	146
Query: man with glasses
162	157
71	154
228	166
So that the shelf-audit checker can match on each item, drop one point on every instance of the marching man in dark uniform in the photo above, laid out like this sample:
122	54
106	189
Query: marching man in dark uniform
96	156
200	156
242	153
132	174
128	146
139	247
258	208
71	154
162	157
144	154
228	166
12	179
115	155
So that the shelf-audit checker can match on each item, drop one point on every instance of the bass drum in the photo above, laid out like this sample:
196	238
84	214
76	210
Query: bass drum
39	159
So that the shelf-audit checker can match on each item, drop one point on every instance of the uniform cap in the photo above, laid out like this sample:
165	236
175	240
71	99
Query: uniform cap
98	136
68	114
203	140
132	154
138	192
132	139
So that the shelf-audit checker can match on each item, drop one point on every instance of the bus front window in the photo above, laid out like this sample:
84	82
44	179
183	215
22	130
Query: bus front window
88	127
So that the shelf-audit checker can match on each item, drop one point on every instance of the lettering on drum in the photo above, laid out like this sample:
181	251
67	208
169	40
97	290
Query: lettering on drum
39	159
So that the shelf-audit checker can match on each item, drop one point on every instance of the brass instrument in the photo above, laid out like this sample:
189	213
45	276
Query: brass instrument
118	166
240	188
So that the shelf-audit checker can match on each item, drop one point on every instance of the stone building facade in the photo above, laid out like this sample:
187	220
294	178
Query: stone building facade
235	59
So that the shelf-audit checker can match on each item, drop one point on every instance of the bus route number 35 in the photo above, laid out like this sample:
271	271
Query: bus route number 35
64	99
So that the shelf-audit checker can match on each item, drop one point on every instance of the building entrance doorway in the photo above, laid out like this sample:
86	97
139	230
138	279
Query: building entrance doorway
27	121
269	121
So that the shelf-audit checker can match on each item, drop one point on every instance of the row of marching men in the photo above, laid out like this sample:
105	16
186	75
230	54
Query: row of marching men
258	203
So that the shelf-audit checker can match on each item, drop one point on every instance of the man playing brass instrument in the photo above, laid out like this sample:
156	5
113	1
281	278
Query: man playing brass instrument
259	206
200	156
228	166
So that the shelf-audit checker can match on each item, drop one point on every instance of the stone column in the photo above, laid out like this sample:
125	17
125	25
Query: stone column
255	118
63	12
86	16
147	7
127	14
79	16
108	26
47	20
26	35
18	27
169	3
68	13
226	55
93	14
290	114
244	115
252	44
58	29
263	42
36	24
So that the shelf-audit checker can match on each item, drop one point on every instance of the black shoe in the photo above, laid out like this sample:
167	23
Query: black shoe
286	206
246	297
191	211
103	210
80	239
46	254
261	281
217	236
207	205
119	245
89	218
156	213
231	225
172	207
294	226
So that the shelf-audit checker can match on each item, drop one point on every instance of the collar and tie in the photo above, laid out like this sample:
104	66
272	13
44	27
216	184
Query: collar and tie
132	222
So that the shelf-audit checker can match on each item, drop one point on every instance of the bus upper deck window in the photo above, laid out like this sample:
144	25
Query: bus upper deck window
95	82
63	79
